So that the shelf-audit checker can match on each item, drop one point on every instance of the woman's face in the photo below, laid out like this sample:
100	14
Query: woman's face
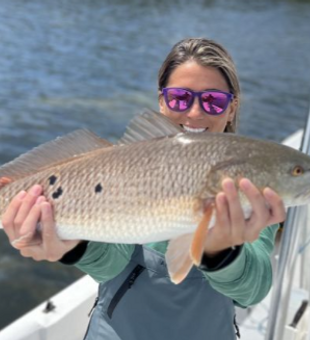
195	77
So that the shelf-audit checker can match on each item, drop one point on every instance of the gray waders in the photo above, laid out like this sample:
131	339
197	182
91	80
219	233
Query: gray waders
141	303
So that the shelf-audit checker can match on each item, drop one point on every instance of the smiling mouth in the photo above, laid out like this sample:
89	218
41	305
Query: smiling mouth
195	130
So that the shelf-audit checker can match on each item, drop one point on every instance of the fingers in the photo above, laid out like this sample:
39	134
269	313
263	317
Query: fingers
49	242
277	208
31	220
10	214
237	221
18	210
260	210
232	228
34	252
50	238
50	248
21	218
27	204
256	199
24	213
28	234
48	224
53	247
222	215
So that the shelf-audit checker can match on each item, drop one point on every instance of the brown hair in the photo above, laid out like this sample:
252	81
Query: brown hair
206	53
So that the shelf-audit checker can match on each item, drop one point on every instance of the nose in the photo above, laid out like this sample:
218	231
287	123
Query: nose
195	111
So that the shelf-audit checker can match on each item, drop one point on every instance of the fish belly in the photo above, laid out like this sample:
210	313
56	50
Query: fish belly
129	230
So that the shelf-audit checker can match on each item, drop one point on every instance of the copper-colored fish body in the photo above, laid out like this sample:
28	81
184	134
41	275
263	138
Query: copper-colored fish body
154	185
106	194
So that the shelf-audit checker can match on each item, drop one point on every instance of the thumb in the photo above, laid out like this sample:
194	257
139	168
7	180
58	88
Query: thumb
49	235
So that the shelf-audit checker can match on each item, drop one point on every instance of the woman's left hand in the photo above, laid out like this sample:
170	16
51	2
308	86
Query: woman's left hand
231	228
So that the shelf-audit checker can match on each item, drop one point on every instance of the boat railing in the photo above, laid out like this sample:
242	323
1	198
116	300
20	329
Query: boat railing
293	249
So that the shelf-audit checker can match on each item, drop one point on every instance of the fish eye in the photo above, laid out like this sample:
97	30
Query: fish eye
298	170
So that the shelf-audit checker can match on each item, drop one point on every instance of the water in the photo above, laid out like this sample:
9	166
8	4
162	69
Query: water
72	64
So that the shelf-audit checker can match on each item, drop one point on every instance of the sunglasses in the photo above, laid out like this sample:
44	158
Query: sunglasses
213	102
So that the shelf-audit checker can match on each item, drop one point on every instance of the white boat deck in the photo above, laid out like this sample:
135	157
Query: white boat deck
68	320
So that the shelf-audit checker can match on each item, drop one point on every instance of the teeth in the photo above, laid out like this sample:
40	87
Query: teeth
197	130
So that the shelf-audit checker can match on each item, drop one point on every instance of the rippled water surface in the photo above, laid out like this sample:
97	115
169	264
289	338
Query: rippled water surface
71	64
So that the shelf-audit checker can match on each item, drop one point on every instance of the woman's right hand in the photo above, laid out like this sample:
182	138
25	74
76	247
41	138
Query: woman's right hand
24	213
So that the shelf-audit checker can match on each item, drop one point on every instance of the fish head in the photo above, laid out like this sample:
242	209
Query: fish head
290	176
281	168
266	164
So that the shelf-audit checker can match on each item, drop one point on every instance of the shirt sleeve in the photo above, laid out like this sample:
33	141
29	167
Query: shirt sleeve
247	280
104	261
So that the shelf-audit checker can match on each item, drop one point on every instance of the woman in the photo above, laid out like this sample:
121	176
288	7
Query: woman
199	90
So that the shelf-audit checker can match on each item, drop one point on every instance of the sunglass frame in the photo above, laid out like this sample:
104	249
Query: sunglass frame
199	94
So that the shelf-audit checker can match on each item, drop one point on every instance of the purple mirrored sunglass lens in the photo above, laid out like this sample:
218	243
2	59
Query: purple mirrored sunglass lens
215	102
178	99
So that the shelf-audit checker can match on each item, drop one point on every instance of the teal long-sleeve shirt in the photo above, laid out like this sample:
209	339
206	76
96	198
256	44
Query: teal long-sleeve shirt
246	280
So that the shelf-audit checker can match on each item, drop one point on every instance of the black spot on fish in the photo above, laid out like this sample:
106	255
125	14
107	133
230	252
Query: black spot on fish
52	179
98	188
57	193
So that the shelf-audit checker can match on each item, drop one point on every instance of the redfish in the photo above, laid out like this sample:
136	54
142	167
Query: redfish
158	183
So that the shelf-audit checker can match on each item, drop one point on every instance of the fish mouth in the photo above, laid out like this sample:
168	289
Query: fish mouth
194	129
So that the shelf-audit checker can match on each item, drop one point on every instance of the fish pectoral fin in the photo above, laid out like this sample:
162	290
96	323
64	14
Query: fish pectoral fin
200	235
178	258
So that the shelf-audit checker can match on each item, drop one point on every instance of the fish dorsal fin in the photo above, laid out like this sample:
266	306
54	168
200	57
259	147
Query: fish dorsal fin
149	125
62	149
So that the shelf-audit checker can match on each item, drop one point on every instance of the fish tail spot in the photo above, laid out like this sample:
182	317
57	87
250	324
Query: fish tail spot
98	188
52	179
57	193
4	181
